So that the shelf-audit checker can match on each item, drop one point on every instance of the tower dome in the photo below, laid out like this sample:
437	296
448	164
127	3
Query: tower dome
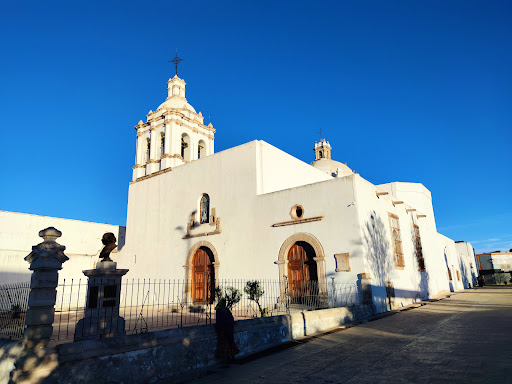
174	134
324	163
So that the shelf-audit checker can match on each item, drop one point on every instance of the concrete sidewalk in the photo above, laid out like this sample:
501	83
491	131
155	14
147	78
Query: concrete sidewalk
466	338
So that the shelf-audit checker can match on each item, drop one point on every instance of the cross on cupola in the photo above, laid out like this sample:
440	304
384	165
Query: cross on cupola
320	133
176	61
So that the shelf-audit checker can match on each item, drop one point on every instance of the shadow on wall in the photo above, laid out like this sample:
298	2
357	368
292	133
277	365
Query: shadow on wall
421	268
464	274
450	281
15	277
121	238
381	266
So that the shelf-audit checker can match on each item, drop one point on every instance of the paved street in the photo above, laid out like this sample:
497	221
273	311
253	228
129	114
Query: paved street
466	338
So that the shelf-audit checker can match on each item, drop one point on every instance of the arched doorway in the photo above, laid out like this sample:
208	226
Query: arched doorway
302	272
306	255
203	276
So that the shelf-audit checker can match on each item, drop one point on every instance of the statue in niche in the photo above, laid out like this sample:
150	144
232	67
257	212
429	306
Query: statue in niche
109	242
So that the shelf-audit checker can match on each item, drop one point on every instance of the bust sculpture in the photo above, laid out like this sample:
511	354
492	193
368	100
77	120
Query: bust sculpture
109	242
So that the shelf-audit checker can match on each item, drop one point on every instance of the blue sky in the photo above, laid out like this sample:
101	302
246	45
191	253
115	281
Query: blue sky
415	91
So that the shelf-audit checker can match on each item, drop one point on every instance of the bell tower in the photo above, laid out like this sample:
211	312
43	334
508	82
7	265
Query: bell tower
322	150
173	135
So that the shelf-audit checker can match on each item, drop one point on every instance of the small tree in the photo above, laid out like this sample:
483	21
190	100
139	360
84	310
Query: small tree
230	296
254	290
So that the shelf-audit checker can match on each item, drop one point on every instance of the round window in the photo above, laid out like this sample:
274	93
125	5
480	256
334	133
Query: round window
297	212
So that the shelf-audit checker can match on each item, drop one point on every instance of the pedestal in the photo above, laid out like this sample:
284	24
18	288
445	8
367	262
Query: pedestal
101	316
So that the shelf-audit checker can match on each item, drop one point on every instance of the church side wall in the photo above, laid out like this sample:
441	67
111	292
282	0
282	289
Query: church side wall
468	264
19	232
458	266
408	282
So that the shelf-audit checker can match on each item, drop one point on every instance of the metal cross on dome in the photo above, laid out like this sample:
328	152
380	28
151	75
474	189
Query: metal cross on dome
176	61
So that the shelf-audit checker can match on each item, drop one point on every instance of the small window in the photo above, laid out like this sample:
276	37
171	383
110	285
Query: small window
396	241
449	274
205	209
418	249
297	212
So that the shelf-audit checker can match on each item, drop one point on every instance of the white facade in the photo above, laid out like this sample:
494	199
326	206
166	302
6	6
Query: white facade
386	232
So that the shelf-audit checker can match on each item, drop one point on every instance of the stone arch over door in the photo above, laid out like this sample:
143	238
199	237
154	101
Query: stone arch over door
319	258
189	265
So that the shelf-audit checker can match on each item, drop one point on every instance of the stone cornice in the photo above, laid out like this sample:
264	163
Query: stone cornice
178	113
301	221
140	126
152	175
138	166
153	161
175	97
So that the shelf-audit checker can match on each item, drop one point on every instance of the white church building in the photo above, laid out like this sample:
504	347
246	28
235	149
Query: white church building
256	212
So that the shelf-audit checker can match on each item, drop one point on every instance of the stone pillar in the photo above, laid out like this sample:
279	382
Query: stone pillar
366	288
175	141
45	261
322	282
154	162
283	281
101	315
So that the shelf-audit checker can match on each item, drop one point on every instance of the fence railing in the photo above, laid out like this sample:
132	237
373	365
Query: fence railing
13	309
150	304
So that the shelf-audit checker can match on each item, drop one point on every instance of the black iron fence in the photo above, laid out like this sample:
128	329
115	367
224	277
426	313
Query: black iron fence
148	304
13	309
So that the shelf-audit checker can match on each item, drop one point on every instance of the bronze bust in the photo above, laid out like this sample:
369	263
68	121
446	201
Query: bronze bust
109	242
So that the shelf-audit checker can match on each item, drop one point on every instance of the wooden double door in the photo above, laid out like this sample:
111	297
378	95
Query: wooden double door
302	272
203	277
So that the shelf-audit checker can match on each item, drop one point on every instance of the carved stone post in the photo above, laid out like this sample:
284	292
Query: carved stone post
45	261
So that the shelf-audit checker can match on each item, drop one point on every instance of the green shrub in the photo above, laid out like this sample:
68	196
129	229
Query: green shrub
255	292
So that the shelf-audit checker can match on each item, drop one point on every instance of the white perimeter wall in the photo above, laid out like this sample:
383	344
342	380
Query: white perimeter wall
20	231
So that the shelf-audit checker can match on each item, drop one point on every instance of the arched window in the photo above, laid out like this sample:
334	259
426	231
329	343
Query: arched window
148	150
204	209
185	147
201	149
162	144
